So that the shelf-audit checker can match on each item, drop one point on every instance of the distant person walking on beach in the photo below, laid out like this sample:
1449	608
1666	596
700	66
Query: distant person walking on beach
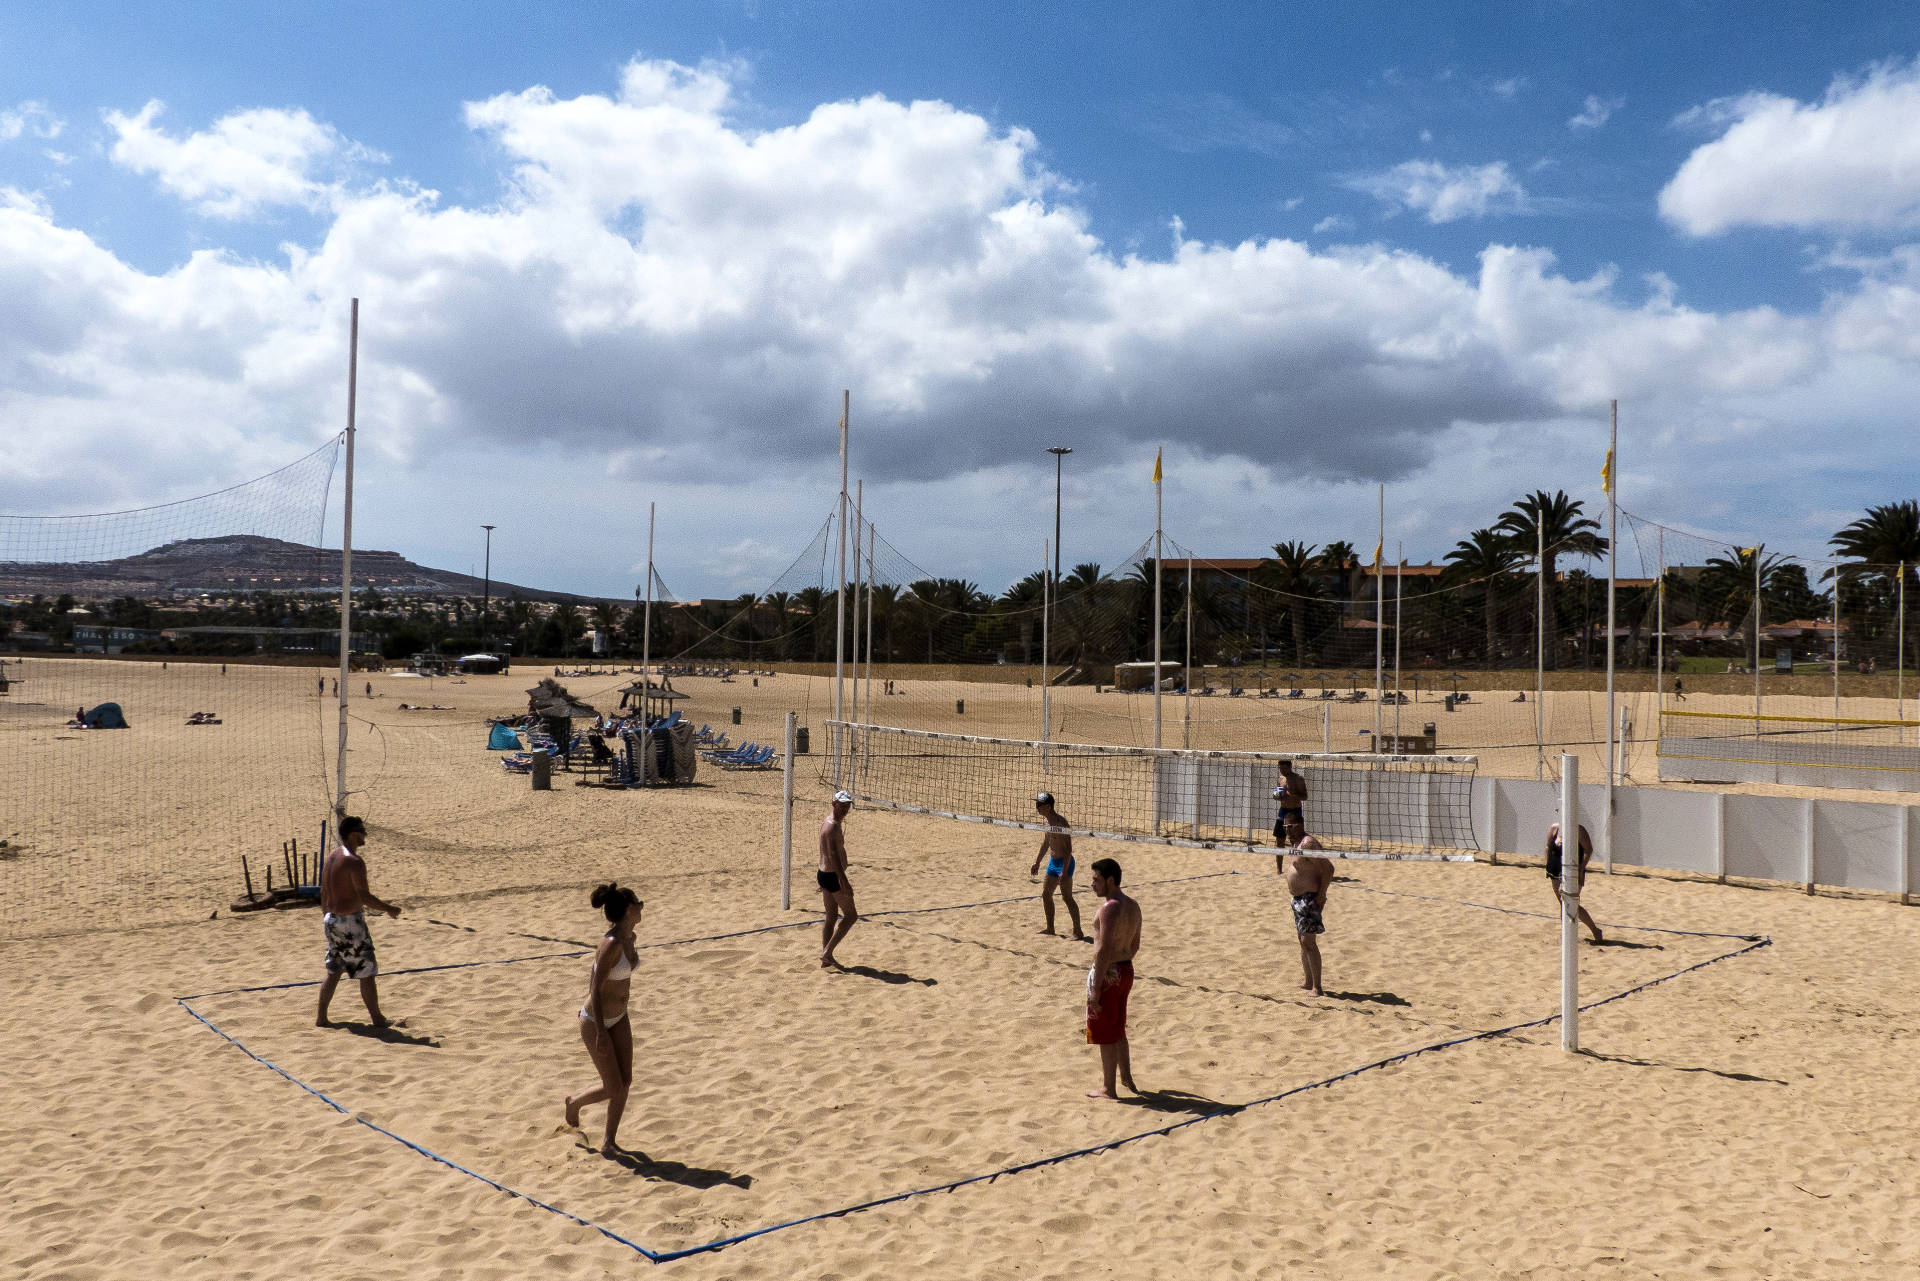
1554	857
1056	847
604	1024
1116	940
1308	880
344	900
836	891
1678	693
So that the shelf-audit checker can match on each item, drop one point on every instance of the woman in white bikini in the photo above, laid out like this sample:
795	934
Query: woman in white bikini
604	1025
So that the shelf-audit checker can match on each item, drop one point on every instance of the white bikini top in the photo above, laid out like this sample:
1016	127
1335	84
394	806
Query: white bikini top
622	967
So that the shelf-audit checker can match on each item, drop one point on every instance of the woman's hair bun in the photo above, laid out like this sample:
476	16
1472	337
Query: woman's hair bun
603	893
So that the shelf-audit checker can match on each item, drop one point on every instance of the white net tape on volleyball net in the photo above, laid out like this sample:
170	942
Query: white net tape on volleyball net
1359	806
166	705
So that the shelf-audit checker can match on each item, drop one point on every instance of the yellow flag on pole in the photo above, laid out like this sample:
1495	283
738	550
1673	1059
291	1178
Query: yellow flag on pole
1156	467
1606	474
1379	549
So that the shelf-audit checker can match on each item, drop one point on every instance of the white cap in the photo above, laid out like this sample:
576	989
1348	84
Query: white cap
1045	798
1279	793
843	796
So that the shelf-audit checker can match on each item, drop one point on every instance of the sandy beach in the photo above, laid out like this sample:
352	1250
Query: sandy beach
1747	1118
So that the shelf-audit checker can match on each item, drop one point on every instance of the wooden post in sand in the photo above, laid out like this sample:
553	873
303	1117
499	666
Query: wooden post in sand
246	874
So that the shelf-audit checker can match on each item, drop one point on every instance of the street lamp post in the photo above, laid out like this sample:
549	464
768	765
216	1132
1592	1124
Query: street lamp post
1059	453
486	588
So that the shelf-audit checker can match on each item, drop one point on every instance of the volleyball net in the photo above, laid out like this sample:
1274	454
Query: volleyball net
166	698
1359	806
1807	751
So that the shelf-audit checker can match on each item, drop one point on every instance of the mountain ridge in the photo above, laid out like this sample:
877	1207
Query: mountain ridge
230	564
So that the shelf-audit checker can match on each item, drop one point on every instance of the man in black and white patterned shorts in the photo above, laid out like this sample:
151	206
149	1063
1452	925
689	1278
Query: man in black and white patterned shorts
1309	874
344	898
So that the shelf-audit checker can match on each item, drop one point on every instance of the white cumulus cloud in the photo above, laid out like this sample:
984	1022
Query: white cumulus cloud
1443	192
246	162
1848	162
663	302
1596	111
29	119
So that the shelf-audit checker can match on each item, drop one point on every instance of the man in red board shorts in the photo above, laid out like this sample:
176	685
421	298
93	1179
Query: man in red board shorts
1116	937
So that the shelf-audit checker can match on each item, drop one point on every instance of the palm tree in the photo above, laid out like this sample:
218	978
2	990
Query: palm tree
1887	536
812	601
567	621
1080	610
1295	573
606	621
1085	577
1340	564
1022	601
1481	557
779	602
1726	588
1559	523
886	598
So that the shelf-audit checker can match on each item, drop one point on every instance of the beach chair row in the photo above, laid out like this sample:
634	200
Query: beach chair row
746	756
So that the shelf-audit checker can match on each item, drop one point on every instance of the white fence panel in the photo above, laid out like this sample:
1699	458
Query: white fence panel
1665	829
1857	845
1766	837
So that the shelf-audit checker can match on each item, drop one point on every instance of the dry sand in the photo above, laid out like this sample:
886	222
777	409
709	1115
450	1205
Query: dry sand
1748	1119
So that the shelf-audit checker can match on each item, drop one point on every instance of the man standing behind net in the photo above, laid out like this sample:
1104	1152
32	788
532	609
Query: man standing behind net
1292	796
1308	880
344	899
836	891
1116	940
1056	847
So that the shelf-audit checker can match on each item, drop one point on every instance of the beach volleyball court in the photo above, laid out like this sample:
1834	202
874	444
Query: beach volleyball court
767	1093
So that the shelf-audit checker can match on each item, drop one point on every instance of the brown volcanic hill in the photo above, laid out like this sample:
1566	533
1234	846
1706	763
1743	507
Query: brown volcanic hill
244	563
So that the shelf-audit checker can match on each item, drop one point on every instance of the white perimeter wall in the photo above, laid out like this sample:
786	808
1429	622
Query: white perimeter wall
1857	845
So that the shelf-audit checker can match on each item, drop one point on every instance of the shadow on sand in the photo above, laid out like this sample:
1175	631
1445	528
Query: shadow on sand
690	1176
1178	1101
1376	998
392	1035
1633	1062
887	976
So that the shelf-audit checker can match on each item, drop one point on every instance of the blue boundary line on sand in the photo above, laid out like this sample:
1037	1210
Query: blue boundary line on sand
1753	943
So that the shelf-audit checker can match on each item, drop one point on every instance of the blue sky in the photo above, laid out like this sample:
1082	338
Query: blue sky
633	252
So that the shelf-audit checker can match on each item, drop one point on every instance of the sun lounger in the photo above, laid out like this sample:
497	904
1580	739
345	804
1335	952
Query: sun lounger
760	759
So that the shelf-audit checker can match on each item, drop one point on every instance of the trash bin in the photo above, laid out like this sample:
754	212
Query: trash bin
800	743
1448	700
1431	735
959	707
736	716
542	772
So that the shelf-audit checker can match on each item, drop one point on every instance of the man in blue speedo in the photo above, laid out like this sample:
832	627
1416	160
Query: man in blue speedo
1056	847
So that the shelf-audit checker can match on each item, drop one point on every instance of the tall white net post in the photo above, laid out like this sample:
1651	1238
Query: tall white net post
1569	901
